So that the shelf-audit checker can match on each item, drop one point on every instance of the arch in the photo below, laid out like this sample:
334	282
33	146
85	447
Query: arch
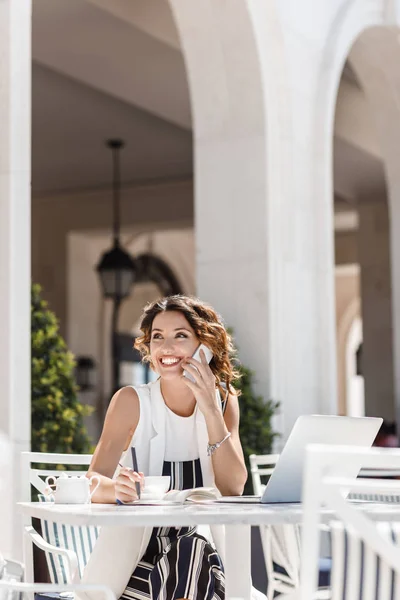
152	268
374	54
247	130
348	24
350	21
154	278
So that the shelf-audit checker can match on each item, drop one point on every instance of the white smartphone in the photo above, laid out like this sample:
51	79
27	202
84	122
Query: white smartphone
196	356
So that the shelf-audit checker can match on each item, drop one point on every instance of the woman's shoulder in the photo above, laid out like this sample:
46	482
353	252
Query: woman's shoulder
134	391
125	400
132	397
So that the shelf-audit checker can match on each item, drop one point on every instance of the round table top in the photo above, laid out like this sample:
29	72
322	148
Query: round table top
185	515
182	515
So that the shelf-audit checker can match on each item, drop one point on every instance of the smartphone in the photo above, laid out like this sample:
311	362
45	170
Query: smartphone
196	356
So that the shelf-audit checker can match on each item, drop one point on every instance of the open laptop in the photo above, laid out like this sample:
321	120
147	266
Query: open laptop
285	483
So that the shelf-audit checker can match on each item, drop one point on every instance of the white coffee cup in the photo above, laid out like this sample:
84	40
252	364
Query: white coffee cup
155	487
72	489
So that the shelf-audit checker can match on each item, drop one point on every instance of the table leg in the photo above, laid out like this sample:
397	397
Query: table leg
28	559
238	561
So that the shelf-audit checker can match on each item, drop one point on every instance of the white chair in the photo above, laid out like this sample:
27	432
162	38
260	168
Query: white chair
381	474
365	554
281	543
67	548
13	572
12	587
10	590
261	465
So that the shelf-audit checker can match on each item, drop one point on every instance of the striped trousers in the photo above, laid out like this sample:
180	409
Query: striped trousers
189	568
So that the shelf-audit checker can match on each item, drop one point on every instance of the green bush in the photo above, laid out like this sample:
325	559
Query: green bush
57	415
255	430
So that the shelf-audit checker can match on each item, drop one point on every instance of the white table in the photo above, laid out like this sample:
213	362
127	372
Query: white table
238	519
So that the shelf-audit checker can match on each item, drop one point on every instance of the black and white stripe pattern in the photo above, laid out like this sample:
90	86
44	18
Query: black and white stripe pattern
181	472
358	572
178	563
190	569
72	537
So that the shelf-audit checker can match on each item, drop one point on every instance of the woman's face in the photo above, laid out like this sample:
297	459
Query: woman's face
172	340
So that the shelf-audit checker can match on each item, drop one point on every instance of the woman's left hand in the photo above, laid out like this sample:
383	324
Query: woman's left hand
204	386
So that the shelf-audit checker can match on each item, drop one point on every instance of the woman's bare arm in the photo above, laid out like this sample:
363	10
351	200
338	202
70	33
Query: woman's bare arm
228	462
119	426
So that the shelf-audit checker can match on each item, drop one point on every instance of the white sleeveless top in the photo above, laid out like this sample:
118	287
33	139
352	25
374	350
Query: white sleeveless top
129	543
180	437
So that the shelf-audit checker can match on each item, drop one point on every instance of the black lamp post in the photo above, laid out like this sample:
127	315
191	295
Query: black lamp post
85	373
116	267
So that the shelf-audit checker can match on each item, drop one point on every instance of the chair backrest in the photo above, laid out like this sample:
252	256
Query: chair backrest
79	539
365	553
261	465
359	569
380	473
281	543
377	474
36	476
10	572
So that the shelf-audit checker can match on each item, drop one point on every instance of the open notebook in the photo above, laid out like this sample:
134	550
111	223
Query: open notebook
202	494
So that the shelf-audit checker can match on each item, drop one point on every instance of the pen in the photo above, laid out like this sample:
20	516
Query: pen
135	468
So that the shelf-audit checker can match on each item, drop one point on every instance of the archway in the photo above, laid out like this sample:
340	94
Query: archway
367	185
375	57
152	268
361	198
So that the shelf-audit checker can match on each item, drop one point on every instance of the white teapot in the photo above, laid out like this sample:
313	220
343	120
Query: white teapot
72	489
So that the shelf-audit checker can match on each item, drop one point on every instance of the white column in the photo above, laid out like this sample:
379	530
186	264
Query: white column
15	239
264	246
317	42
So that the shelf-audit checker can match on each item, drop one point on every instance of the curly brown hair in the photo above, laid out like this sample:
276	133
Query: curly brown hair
206	324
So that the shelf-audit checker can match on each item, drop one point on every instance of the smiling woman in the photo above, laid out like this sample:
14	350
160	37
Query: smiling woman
192	319
185	426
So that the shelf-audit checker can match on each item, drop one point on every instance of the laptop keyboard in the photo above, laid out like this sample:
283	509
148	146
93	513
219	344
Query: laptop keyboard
385	498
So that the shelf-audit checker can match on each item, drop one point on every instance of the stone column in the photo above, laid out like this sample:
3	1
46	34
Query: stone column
264	245
15	239
376	306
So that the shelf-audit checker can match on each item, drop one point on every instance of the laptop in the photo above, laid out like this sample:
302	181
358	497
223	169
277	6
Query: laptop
285	483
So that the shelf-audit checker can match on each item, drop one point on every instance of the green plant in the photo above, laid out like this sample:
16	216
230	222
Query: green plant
255	430
57	415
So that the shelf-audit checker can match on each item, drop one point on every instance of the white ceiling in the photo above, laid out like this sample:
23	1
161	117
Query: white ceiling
70	123
114	68
93	46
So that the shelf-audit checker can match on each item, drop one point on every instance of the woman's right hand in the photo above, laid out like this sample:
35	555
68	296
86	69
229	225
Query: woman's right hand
125	485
